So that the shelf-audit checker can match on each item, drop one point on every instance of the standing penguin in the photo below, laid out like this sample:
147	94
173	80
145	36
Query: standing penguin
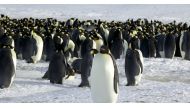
86	62
170	46
7	61
104	32
133	66
144	47
39	48
57	66
49	47
185	45
115	42
28	46
68	46
152	46
160	40
104	78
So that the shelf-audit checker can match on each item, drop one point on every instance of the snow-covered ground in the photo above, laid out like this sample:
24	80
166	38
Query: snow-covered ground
164	80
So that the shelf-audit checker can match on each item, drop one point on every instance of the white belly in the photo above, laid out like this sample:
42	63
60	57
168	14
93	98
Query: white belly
39	41
162	54
180	45
102	78
138	79
12	79
13	57
99	43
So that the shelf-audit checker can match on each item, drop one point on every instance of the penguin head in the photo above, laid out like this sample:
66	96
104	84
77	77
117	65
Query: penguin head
58	40
7	41
104	50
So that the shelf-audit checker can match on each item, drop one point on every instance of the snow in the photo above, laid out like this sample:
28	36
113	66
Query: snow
163	80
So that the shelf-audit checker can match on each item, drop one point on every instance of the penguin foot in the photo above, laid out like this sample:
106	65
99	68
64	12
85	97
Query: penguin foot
55	82
130	85
84	85
46	76
30	60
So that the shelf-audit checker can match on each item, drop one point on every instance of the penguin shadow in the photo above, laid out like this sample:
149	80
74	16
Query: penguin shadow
30	68
44	82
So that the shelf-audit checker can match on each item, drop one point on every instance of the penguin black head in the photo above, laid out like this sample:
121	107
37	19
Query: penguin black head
104	50
6	41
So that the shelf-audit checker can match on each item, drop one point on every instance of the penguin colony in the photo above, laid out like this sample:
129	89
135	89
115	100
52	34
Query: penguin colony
89	48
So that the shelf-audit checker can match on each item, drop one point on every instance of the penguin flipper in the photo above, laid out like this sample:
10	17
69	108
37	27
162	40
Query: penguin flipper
116	75
35	49
184	42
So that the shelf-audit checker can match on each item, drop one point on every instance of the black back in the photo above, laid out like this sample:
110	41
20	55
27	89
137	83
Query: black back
169	46
160	40
152	47
7	69
133	65
48	48
57	68
77	41
76	65
144	47
86	62
116	44
86	47
186	44
29	47
177	52
18	44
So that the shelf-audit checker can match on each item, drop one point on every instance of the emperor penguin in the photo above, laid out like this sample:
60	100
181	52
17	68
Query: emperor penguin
104	32
39	48
57	66
133	66
104	78
59	69
185	45
7	62
170	46
69	48
115	42
49	47
160	41
86	62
